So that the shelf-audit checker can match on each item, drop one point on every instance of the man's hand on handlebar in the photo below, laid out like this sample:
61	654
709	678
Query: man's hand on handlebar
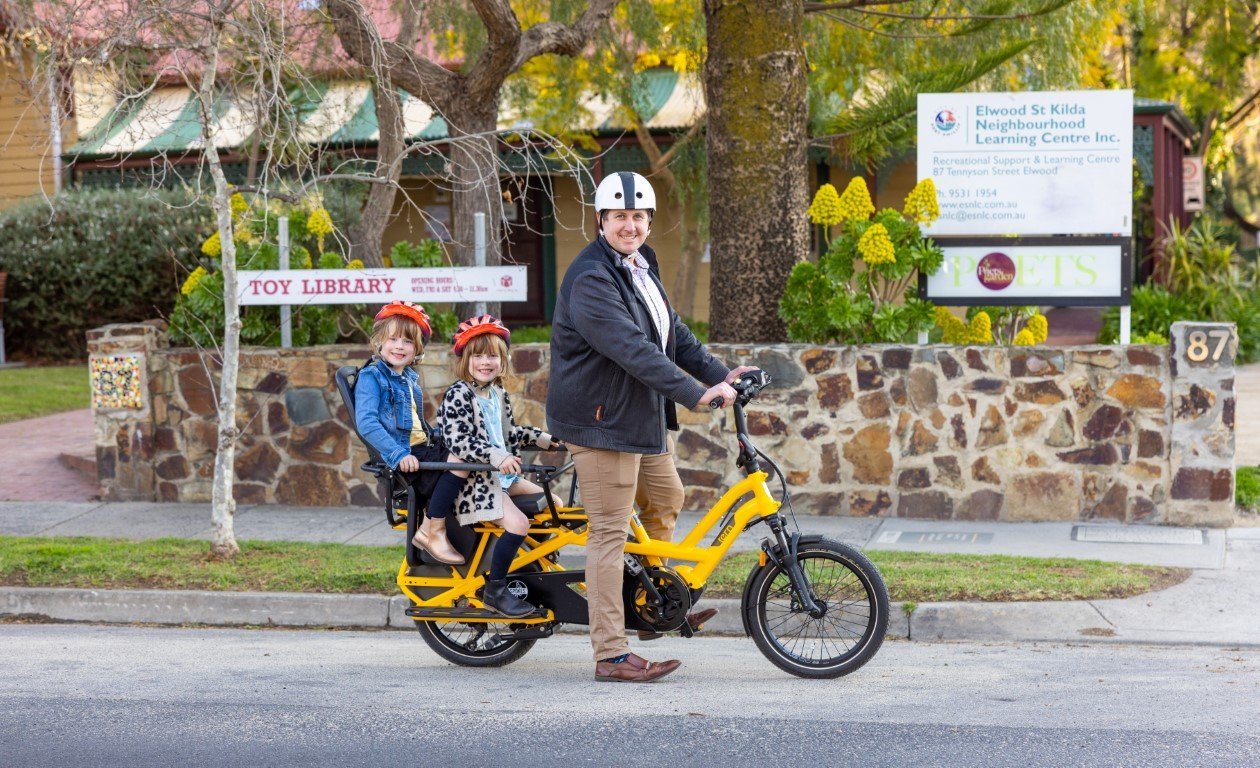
718	395
736	372
409	464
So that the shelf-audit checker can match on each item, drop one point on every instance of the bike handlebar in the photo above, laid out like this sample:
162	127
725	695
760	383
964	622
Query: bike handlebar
457	466
746	386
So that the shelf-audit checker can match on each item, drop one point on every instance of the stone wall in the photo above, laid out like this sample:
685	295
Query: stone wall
978	433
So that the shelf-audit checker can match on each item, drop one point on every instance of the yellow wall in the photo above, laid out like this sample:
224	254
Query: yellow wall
26	162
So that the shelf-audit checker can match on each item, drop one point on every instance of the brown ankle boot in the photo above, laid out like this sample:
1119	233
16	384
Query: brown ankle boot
431	537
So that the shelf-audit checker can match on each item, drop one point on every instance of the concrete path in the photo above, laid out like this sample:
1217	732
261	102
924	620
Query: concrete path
29	469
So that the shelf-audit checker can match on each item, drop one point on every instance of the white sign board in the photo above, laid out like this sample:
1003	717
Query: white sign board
1192	191
379	286
1031	274
1034	163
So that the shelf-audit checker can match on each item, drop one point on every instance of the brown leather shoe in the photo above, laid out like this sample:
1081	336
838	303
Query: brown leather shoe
695	620
635	669
431	537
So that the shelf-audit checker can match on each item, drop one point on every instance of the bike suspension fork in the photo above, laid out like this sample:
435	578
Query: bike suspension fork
788	545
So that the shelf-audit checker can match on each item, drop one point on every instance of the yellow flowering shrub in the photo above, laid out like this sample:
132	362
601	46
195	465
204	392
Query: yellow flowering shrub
213	246
355	264
320	224
825	209
1039	327
863	289
921	205
980	329
855	203
238	204
190	284
994	325
876	247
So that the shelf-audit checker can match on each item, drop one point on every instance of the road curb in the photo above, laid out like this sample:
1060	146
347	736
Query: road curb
1074	621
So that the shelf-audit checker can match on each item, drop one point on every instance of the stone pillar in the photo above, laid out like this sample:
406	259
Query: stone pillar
1202	441
120	363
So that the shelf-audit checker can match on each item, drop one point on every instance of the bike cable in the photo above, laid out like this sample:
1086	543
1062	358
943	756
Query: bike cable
786	499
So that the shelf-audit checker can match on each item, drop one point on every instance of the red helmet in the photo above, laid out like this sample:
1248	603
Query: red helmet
476	326
411	311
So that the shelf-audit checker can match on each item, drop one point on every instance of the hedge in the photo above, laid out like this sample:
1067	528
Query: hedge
93	257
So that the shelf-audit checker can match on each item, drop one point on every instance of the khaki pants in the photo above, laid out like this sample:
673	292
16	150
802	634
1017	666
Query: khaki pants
608	481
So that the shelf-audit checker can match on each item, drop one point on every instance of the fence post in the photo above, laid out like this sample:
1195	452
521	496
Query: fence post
1201	456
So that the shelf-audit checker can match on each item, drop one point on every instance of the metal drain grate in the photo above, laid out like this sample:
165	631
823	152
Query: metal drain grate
1137	534
936	537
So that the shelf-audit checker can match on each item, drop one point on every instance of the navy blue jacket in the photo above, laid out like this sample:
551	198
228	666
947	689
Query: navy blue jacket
611	386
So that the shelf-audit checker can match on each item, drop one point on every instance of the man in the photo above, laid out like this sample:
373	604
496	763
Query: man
620	359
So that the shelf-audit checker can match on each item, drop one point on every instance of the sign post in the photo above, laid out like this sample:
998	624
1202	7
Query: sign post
286	312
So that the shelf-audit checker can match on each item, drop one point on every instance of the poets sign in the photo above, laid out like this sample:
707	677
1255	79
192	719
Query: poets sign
1035	163
1019	271
380	286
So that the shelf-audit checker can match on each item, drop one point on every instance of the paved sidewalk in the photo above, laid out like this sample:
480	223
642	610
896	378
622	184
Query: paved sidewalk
28	456
1214	606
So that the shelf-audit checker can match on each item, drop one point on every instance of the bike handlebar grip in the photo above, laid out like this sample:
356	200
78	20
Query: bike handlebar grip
717	402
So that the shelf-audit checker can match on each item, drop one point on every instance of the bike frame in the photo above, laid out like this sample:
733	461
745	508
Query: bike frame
744	504
546	537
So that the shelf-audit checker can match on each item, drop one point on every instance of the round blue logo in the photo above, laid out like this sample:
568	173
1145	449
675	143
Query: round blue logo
945	122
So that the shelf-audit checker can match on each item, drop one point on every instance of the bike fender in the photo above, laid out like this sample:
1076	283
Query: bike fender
775	554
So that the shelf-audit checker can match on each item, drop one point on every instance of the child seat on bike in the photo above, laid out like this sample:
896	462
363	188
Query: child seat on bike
401	496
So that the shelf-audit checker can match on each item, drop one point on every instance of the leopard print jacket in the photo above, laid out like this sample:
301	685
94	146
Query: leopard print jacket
465	434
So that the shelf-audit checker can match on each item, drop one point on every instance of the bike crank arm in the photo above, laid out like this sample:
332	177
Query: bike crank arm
640	573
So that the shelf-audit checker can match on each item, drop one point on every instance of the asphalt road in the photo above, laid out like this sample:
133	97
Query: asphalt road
124	696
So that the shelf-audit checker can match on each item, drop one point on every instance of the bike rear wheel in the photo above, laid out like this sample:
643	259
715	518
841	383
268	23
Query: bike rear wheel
849	588
473	644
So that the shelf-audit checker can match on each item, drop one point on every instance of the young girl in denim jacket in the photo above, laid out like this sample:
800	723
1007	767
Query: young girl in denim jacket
389	412
478	427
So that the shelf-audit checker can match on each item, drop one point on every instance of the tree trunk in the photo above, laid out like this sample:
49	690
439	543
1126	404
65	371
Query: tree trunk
223	504
757	162
365	236
475	178
684	289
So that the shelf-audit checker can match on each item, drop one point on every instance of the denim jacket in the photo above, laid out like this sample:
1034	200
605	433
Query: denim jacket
382	409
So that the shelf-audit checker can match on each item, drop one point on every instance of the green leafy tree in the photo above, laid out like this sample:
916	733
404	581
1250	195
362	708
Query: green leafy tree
486	40
1204	56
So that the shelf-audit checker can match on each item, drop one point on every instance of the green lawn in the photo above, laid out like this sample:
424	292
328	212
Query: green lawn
300	567
29	392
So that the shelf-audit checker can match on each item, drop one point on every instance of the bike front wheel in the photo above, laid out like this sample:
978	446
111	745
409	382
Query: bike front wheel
853	600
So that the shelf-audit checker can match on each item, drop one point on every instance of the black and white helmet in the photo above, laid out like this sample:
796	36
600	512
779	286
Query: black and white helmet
624	191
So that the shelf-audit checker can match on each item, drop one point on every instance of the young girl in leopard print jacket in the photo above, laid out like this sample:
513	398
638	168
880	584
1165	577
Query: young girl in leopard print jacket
477	426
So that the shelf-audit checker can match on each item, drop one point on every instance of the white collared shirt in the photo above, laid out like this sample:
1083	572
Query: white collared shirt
643	283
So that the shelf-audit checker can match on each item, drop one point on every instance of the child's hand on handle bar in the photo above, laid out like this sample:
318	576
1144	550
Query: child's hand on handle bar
408	464
718	395
510	466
